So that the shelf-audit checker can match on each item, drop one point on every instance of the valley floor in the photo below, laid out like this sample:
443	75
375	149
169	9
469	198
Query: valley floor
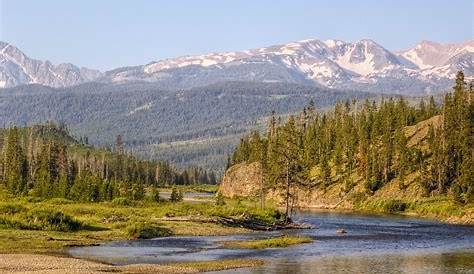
26	247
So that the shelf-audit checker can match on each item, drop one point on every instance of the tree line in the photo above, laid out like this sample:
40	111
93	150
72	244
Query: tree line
45	161
368	142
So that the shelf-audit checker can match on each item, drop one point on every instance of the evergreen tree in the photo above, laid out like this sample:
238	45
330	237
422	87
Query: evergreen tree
15	165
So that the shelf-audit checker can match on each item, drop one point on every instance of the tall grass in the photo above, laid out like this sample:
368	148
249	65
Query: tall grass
18	216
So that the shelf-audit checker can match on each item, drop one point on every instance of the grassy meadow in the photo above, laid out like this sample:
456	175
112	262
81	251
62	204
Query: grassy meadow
42	226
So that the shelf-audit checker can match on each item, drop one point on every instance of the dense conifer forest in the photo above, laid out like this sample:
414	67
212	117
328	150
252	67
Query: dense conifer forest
195	127
370	141
45	161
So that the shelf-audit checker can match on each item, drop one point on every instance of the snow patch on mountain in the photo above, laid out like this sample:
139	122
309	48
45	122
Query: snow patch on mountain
18	69
429	54
363	65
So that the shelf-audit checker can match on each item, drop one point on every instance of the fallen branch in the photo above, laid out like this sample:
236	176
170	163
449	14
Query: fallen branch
243	222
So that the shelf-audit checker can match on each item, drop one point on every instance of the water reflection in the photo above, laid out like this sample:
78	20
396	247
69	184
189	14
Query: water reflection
373	244
390	263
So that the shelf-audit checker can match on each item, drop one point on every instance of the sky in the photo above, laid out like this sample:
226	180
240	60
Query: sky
110	34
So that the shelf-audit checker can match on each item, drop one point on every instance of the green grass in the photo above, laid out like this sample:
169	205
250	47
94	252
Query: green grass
278	242
440	208
35	225
195	188
205	266
384	206
12	209
122	202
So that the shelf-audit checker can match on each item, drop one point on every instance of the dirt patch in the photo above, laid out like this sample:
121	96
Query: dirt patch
45	264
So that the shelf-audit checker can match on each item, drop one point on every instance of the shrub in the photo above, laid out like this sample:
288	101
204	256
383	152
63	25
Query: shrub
11	223
43	219
394	206
11	209
155	195
176	196
373	185
60	201
220	199
122	202
31	199
146	231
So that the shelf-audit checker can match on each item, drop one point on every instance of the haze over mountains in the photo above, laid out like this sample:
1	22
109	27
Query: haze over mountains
364	65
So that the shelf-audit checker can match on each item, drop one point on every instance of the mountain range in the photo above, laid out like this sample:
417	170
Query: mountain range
365	65
192	110
18	69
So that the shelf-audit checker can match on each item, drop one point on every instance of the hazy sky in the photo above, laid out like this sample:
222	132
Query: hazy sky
107	34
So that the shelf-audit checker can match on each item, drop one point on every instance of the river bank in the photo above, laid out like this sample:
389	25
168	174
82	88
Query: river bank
48	264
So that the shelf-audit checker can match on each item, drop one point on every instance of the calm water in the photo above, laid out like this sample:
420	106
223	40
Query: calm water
373	244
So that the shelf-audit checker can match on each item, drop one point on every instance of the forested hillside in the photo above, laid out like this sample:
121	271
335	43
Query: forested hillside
372	145
45	161
191	127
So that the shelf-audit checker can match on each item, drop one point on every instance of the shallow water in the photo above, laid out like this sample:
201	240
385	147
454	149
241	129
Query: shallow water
373	244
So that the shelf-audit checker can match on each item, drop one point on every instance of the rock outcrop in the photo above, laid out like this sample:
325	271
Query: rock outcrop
242	180
245	180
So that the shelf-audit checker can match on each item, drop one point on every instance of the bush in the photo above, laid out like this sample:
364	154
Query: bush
60	201
122	202
373	185
146	231
11	223
220	199
12	209
176	196
155	195
31	199
394	206
42	219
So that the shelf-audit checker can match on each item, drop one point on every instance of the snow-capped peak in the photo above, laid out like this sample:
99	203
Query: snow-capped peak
18	69
428	54
363	65
331	43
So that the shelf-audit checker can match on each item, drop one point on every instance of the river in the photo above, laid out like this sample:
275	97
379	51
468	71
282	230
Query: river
372	244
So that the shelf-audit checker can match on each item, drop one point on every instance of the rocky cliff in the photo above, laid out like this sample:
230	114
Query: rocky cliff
245	180
242	180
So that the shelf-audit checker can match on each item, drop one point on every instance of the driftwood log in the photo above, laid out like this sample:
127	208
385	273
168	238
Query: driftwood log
253	224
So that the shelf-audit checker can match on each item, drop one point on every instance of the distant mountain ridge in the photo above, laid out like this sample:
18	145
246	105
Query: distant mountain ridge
199	126
363	65
18	69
